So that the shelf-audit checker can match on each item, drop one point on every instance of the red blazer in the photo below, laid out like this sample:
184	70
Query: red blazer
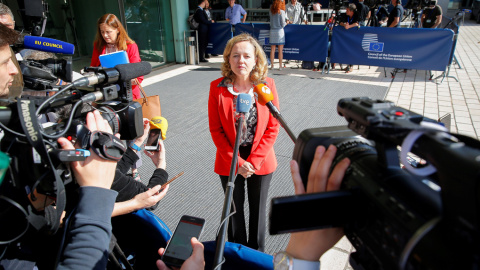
221	118
133	57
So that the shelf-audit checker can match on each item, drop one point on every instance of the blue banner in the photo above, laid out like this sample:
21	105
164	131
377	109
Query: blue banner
218	36
406	48
302	42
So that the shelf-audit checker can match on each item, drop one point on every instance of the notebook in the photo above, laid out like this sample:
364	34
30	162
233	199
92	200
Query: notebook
110	60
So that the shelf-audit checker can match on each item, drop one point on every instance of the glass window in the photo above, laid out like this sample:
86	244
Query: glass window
143	26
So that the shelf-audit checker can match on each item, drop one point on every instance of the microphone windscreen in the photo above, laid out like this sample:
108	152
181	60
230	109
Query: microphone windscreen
133	70
244	102
263	94
48	45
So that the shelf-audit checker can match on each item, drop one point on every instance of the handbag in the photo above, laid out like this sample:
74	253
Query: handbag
150	104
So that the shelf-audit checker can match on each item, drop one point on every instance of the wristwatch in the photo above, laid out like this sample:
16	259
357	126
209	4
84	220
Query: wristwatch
283	261
135	147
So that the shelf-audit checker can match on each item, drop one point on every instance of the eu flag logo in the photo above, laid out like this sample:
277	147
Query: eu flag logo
376	47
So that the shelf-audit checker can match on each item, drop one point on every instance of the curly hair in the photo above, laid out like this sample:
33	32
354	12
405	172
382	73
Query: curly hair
122	39
277	6
258	73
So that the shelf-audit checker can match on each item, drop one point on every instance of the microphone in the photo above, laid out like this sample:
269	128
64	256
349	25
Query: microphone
264	96
244	102
48	45
120	73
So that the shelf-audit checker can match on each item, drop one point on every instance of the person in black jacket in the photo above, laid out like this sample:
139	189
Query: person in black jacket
203	24
363	12
134	195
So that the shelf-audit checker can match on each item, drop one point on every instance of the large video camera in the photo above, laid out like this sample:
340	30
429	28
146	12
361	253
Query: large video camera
398	212
37	162
418	4
336	5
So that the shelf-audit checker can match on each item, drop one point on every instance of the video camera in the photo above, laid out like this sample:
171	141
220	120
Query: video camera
37	162
398	213
41	69
338	4
376	3
419	4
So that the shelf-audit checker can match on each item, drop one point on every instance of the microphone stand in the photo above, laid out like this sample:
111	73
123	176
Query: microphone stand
228	198
276	113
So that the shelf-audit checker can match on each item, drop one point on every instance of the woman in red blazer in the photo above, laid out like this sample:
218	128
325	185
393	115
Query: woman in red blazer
112	37
244	66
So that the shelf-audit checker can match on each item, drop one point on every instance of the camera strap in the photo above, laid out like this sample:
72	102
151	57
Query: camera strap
30	126
105	145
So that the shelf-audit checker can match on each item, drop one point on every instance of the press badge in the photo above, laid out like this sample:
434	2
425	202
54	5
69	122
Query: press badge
429	21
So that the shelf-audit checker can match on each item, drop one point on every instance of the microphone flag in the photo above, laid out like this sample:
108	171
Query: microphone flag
263	94
244	102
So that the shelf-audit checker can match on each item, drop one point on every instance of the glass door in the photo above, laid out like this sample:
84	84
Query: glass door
143	22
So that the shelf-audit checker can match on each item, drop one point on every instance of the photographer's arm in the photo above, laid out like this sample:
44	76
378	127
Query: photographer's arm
130	157
91	229
438	21
311	245
143	200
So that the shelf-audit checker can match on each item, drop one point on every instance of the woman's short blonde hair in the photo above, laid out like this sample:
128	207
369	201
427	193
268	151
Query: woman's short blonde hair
258	73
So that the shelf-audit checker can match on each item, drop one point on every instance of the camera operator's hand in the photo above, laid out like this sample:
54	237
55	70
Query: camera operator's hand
158	157
94	171
194	262
146	128
246	170
311	245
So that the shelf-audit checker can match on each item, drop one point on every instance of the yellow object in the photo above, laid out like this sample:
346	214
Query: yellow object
161	123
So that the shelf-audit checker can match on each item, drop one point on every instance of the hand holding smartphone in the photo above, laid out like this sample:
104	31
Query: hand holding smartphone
152	140
179	248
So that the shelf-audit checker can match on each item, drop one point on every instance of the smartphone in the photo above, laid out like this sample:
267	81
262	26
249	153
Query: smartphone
180	248
152	141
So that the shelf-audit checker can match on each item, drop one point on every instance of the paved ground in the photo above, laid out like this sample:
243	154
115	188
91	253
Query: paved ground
189	144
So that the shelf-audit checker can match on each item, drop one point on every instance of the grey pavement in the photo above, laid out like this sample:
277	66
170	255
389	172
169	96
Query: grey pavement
307	100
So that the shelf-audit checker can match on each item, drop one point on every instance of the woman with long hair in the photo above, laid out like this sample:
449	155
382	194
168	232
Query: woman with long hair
112	37
277	34
245	66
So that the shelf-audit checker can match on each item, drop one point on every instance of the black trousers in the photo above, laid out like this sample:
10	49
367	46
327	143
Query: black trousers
257	192
202	41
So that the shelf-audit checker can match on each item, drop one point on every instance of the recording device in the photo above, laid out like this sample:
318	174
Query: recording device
243	105
417	5
336	5
152	140
179	248
424	218
376	3
33	145
48	45
43	74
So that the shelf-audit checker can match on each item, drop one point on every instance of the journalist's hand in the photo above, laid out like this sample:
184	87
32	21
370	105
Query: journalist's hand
93	171
158	157
146	128
311	245
150	197
194	262
246	170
